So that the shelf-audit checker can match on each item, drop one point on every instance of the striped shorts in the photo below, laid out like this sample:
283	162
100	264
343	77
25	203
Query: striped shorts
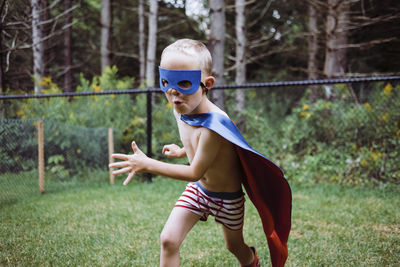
227	208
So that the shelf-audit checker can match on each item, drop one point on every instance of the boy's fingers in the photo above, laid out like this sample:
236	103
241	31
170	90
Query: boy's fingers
129	178
135	148
118	164
123	170
119	156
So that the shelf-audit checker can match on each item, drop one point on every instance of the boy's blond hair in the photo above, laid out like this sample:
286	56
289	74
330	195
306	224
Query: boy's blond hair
192	48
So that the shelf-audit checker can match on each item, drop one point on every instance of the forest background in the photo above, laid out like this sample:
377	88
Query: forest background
348	133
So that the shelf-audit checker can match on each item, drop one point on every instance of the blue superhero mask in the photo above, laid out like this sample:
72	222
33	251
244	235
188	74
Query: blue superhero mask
185	81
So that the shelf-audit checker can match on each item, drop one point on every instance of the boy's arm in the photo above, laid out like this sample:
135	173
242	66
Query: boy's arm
208	146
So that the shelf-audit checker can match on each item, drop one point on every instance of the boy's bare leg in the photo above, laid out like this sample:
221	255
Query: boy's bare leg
176	228
235	244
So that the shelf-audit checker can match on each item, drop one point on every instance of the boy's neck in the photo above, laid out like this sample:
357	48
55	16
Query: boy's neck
206	106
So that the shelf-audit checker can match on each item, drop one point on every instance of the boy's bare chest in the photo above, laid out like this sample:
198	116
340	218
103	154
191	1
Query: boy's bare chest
190	137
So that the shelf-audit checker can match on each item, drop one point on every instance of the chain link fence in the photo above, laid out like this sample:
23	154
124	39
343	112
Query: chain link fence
70	153
341	140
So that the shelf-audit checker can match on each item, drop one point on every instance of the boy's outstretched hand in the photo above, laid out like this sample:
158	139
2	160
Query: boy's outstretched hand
133	164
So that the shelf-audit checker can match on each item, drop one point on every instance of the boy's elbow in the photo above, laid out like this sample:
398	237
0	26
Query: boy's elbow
194	179
189	173
196	175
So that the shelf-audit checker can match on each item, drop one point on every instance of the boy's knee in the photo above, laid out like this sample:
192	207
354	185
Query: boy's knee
168	242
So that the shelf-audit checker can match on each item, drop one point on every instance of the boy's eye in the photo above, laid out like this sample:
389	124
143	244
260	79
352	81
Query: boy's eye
164	82
185	84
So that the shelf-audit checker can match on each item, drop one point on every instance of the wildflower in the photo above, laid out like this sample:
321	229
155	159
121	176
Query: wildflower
20	113
45	81
107	102
363	163
367	106
112	96
78	151
385	117
376	156
388	89
305	114
305	107
97	88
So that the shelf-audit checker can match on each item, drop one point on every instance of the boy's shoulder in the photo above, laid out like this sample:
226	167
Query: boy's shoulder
215	109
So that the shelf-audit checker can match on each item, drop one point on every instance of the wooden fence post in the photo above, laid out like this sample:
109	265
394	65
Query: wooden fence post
110	152
41	156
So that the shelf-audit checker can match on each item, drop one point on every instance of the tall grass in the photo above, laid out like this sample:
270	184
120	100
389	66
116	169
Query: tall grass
103	225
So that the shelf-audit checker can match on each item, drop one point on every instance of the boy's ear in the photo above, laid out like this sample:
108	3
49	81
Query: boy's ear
209	82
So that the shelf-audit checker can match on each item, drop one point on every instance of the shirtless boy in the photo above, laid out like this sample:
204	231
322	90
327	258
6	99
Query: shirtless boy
214	173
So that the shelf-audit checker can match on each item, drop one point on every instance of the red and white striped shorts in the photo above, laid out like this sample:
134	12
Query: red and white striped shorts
227	208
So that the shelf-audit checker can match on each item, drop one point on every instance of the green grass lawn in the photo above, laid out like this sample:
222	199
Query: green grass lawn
104	225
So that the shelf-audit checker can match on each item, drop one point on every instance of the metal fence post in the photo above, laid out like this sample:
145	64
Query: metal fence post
149	130
110	152
41	155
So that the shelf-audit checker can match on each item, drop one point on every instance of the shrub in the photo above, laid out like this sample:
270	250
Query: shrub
75	127
18	149
347	142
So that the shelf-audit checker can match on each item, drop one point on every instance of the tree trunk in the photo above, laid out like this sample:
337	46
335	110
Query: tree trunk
106	19
67	49
1	62
2	106
152	44
142	55
38	9
1	58
216	45
240	78
312	41
336	40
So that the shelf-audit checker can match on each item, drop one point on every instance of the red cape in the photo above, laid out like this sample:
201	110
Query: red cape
265	183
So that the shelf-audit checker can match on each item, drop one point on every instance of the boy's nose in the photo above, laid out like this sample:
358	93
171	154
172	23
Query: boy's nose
173	91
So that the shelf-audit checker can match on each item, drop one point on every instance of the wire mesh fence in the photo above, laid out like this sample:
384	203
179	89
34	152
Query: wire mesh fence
70	152
355	137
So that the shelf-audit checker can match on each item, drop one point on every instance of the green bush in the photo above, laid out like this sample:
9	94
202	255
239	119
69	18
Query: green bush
111	111
76	128
339	141
18	150
343	141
